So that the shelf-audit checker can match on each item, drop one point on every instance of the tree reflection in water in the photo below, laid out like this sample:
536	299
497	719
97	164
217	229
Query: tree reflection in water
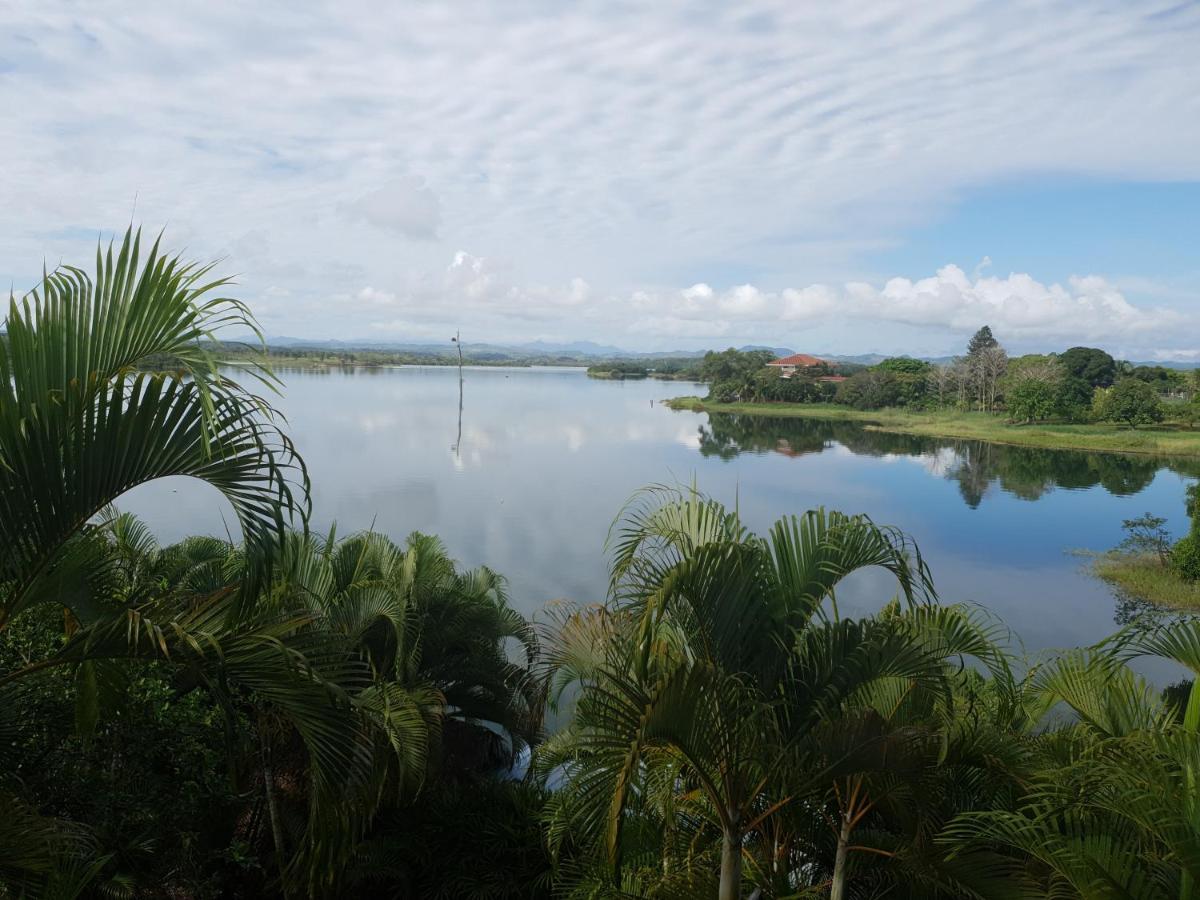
1026	472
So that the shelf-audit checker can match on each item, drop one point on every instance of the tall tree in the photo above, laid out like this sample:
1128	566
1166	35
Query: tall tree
981	340
1089	364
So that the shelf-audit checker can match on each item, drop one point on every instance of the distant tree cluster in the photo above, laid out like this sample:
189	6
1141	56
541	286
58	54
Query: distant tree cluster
619	368
1081	384
899	381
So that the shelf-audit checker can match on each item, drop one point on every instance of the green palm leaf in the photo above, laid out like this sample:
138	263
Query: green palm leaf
80	425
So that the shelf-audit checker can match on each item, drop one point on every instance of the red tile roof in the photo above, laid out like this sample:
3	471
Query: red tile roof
800	360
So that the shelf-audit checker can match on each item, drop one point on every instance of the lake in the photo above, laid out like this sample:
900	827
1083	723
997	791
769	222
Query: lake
545	458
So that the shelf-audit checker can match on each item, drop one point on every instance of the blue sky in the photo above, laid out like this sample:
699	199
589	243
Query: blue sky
875	177
1059	225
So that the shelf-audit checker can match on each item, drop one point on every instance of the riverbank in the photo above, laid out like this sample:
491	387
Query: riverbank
1144	577
305	362
1157	440
607	375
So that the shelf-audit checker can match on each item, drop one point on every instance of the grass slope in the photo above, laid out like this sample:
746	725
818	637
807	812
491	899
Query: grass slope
1162	439
1146	578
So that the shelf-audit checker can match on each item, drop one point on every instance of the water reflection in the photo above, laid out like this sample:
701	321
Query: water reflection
547	457
1025	472
1140	614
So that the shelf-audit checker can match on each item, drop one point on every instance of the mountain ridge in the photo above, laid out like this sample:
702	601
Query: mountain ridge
585	351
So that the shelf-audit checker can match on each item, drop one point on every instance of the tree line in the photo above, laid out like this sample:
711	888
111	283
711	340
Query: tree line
1081	384
309	715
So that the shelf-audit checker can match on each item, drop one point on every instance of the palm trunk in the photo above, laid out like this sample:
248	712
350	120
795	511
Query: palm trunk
838	890
731	866
273	815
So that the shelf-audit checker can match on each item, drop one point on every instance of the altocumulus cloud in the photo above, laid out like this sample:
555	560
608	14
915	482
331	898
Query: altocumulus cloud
596	159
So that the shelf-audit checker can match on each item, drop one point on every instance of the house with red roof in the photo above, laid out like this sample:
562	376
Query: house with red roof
797	362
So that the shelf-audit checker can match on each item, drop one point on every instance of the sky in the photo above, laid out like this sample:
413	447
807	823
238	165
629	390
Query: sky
840	178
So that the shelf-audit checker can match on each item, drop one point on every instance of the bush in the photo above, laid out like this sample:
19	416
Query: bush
904	365
878	388
1031	400
1146	535
1185	558
798	390
1075	399
1132	402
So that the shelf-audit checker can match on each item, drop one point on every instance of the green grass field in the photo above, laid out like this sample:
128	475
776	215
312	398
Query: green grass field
1166	440
1145	578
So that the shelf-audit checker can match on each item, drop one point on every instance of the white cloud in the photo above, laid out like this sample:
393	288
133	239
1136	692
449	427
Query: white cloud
1088	307
474	277
1021	310
765	144
405	206
375	297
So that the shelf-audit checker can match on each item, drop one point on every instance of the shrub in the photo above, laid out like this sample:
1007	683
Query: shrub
1075	399
904	365
878	388
1146	535
1185	558
1132	402
1030	400
798	390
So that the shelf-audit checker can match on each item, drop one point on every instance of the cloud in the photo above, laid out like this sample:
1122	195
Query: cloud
947	304
405	206
474	277
1088	307
375	297
639	150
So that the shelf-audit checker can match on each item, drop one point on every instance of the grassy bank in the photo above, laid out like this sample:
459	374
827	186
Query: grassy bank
1163	439
308	362
1143	576
606	375
640	376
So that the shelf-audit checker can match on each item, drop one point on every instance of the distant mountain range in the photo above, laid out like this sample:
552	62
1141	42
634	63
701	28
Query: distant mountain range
584	351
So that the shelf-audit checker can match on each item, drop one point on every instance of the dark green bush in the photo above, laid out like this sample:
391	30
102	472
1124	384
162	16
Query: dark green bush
1185	558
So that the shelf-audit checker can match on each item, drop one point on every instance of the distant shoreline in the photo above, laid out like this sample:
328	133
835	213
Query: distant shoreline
285	362
1158	441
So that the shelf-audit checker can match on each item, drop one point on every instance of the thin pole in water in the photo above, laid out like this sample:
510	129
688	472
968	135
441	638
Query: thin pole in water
457	341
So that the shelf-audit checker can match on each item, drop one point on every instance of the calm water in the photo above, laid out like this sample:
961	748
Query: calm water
547	457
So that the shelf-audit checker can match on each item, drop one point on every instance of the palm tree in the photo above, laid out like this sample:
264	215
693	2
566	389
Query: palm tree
82	419
412	653
1113	810
722	661
346	663
423	625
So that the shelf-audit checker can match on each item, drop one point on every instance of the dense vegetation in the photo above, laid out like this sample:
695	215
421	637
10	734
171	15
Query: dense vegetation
1148	565
299	715
365	357
1079	385
679	368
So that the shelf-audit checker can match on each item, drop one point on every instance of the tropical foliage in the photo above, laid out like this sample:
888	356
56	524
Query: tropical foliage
296	714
